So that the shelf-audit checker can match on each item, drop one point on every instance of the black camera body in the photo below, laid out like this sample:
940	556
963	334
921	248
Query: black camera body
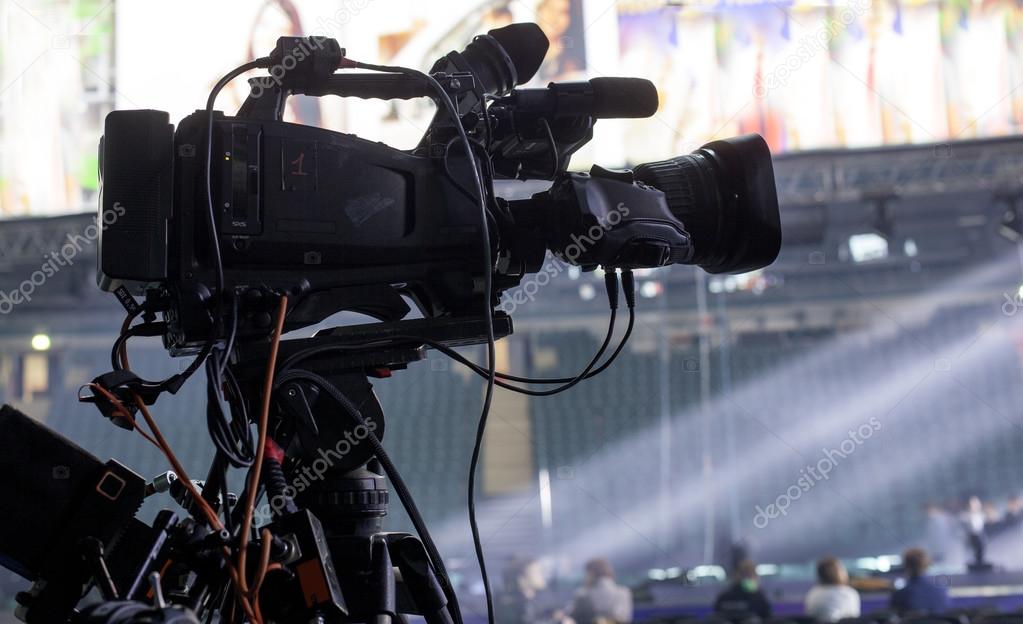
340	223
336	221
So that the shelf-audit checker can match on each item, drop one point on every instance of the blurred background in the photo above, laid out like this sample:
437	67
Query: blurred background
859	396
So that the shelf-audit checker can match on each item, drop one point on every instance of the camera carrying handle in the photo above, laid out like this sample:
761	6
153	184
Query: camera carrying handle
267	94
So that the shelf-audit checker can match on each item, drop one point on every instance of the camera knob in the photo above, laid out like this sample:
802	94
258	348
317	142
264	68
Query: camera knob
623	175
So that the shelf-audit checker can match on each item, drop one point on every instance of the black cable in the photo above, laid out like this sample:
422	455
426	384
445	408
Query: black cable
174	382
458	184
482	97
628	284
234	443
225	505
115	359
611	284
488	288
629	290
232	333
461	359
554	147
404	494
211	214
455	355
115	351
568	382
240	426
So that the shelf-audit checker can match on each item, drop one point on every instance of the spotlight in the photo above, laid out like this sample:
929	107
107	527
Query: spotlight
868	246
651	289
656	574
41	342
874	243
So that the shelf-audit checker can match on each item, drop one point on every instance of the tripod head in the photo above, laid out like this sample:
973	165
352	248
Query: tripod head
324	458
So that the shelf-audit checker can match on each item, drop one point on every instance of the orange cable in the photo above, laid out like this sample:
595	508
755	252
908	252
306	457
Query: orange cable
211	516
122	411
264	564
264	418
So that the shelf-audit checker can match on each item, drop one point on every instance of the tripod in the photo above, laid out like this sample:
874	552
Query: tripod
328	496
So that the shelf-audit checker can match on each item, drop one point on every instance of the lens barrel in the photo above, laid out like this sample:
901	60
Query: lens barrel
725	196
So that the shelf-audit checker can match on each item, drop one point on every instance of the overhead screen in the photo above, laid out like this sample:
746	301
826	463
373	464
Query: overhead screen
806	75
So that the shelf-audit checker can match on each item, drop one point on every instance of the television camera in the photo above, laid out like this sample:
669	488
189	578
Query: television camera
227	231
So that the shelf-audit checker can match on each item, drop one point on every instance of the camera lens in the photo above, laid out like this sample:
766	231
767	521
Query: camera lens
724	195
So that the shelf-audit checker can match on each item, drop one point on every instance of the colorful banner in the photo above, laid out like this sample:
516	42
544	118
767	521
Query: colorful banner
827	75
806	74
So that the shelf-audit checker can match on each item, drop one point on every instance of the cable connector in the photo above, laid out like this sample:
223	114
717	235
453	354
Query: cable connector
629	287
301	64
611	284
113	394
275	481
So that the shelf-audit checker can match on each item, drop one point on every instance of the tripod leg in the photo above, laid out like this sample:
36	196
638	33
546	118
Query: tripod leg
418	576
383	581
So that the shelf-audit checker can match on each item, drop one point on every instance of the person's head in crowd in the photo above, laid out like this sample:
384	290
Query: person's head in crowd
1014	504
916	562
744	595
918	595
597	569
525	575
830	571
745	575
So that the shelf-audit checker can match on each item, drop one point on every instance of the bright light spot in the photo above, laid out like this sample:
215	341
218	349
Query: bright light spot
767	569
1019	292
656	574
869	563
886	562
703	571
599	272
587	291
909	248
715	285
673	572
545	498
651	289
41	342
574	272
752	281
866	247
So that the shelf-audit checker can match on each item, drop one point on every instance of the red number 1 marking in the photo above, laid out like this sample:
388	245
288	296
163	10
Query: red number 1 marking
298	165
